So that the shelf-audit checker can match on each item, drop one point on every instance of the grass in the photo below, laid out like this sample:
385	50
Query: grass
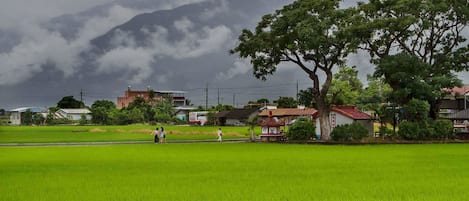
16	134
243	171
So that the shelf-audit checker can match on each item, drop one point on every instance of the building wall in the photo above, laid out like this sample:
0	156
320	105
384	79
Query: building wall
338	119
130	96
15	118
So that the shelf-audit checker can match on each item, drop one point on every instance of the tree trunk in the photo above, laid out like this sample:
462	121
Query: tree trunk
324	120
434	109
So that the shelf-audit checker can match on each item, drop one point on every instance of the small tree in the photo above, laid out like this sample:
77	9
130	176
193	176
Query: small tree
38	119
27	117
286	102
302	129
83	120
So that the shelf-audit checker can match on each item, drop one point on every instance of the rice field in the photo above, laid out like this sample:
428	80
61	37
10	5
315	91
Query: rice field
32	134
235	171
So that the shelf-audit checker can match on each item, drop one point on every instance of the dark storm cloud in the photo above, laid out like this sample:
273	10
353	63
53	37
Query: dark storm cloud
101	47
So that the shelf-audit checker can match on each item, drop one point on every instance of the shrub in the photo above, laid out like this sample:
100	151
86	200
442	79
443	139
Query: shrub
349	132
384	131
442	129
422	130
302	129
409	130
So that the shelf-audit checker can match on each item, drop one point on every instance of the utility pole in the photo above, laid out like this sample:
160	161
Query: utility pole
218	97
81	96
234	100
297	97
206	96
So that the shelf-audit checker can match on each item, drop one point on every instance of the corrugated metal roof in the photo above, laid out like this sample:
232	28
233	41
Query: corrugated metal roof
32	109
76	111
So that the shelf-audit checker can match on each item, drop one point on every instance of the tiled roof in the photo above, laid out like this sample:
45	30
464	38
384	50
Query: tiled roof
289	112
351	112
459	90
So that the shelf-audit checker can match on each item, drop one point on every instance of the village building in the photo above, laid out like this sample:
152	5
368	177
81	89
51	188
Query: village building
130	96
73	114
289	115
236	117
341	115
16	115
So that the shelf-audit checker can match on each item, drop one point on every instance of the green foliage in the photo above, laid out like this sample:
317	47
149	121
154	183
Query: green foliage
349	132
416	110
286	102
100	111
426	129
163	110
374	95
2	112
305	97
443	129
430	31
346	87
83	120
316	36
302	129
38	119
68	102
27	117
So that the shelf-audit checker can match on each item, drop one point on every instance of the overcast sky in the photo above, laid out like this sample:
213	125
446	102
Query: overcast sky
43	43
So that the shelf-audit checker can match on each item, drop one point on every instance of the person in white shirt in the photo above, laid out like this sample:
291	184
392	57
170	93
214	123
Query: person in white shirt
162	136
219	134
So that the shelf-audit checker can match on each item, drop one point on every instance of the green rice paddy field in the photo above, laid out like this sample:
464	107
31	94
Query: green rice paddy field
32	134
235	171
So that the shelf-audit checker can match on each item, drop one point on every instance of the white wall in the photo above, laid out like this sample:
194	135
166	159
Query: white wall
15	118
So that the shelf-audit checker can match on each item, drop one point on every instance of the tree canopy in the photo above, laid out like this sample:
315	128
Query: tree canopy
315	35
70	102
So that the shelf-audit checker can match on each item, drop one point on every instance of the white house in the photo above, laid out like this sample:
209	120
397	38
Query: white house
16	114
341	115
73	114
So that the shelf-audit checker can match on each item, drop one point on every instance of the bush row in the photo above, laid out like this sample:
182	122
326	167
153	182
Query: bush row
426	130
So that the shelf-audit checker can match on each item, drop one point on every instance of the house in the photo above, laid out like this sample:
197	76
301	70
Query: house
182	112
455	101
73	114
129	96
288	115
17	114
236	117
460	123
341	115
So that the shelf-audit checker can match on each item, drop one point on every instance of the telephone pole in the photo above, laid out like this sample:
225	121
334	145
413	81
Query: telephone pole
206	96
81	97
218	96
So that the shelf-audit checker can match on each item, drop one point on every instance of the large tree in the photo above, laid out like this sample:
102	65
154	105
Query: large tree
68	102
315	35
430	30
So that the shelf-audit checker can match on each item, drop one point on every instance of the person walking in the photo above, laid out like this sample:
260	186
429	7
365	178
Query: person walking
156	134
219	134
162	136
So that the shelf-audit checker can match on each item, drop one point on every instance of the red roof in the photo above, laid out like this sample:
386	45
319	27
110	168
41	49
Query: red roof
351	112
290	112
459	90
271	121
